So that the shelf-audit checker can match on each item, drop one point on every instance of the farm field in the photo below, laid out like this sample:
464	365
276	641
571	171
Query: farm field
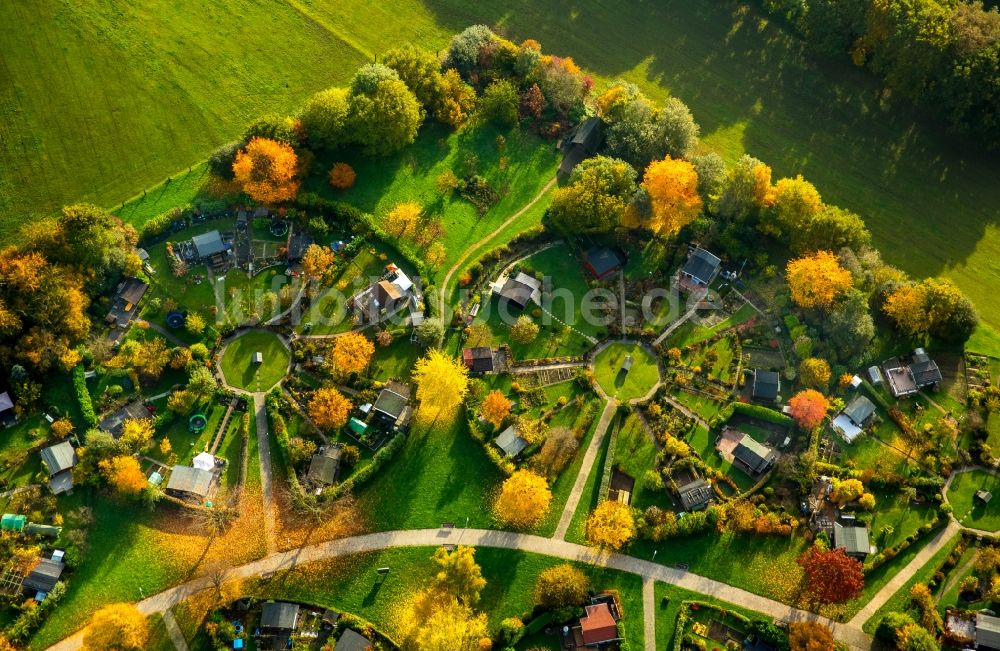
867	155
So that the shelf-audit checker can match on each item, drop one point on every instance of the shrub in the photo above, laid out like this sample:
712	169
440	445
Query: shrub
83	396
342	176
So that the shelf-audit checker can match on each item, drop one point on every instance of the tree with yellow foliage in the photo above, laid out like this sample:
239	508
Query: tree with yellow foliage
523	501
442	383
267	170
672	185
316	261
795	202
124	475
459	575
907	307
436	255
328	408
403	219
816	280
746	190
136	434
446	626
562	586
495	408
352	353
117	626
611	525
814	372
62	428
846	490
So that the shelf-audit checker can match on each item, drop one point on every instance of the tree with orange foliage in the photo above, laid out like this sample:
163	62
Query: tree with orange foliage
352	352
5	644
831	575
267	170
808	408
524	500
316	261
342	176
328	408
124	475
810	636
611	525
117	626
496	407
816	280
672	185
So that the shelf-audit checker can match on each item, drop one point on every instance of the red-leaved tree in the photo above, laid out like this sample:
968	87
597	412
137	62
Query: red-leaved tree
808	408
831	575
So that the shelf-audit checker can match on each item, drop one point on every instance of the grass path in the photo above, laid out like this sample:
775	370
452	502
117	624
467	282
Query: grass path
443	290
586	469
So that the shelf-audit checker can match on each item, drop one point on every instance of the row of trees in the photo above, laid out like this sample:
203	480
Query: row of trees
941	54
386	102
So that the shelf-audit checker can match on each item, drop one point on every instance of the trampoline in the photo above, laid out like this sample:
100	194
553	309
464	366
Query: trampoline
175	320
279	228
197	423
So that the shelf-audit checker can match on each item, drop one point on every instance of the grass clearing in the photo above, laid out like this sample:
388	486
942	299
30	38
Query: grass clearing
240	369
967	508
623	384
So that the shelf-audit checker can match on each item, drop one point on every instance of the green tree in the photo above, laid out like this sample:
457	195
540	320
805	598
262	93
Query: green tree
677	127
387	119
711	171
368	77
420	70
274	127
830	227
524	331
499	103
951	315
596	198
746	189
325	118
463	51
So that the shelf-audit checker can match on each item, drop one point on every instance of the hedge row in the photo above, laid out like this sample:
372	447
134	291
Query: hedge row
890	553
83	396
763	413
364	474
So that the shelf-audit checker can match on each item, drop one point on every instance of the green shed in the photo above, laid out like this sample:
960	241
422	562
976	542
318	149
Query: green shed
359	427
12	522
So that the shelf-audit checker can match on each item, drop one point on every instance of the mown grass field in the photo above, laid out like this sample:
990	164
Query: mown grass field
174	82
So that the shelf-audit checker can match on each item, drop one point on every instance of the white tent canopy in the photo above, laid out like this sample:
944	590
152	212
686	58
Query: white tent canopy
204	461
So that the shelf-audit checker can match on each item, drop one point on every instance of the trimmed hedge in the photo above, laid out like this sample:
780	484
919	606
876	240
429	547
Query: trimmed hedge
363	475
763	413
83	396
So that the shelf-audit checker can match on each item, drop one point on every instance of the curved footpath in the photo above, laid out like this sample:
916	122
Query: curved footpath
160	603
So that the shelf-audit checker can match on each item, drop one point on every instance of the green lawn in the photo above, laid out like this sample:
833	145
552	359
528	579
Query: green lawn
901	599
891	509
351	585
570	287
620	384
395	360
165	102
968	510
238	366
635	453
440	475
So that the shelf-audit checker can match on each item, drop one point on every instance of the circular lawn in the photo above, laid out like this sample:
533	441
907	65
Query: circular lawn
970	510
238	361
619	383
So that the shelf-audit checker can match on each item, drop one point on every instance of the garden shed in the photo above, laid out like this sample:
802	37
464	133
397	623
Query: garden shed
208	245
510	442
602	262
278	617
45	575
766	385
258	358
987	631
353	641
518	291
392	407
852	539
7	416
754	456
323	467
695	495
12	522
204	461
984	496
700	269
187	482
59	460
479	359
